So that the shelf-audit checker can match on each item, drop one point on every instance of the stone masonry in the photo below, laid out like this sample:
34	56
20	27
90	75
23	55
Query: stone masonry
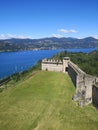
82	81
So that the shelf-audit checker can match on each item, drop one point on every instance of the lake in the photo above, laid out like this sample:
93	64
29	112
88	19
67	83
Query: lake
12	62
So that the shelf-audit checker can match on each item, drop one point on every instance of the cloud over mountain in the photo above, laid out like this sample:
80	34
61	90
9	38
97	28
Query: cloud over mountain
57	35
8	36
67	31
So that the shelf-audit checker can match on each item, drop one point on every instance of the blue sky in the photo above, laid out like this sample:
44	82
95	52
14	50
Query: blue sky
47	18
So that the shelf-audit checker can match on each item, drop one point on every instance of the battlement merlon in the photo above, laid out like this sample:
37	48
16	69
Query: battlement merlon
51	61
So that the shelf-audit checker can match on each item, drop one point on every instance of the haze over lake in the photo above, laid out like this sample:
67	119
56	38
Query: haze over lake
12	62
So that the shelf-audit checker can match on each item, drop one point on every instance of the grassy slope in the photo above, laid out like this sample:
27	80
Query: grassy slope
43	102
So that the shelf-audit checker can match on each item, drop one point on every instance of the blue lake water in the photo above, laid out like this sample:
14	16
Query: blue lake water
12	62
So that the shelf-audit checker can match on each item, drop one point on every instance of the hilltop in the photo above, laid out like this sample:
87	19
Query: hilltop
43	102
47	43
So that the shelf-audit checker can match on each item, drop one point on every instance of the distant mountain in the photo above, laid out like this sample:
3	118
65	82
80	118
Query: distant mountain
47	43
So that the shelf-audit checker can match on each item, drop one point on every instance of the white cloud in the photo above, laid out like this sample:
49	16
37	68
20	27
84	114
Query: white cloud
8	36
73	31
63	30
96	36
57	35
67	31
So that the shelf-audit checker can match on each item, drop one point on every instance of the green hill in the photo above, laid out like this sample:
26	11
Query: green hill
44	102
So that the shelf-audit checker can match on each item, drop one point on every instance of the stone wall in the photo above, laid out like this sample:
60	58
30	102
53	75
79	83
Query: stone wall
52	65
82	81
95	95
72	74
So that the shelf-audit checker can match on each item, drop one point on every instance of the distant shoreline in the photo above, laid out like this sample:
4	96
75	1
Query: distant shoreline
48	49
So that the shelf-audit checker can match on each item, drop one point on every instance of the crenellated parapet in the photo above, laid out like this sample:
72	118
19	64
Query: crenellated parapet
51	61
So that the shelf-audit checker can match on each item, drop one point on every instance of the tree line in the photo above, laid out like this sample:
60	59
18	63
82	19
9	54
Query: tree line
88	62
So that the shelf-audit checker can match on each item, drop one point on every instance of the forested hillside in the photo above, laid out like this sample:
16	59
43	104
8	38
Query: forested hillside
47	43
87	62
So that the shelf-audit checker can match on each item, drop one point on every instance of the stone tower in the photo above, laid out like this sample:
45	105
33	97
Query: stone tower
65	64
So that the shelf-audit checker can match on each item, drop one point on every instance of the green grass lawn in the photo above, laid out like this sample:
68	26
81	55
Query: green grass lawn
44	102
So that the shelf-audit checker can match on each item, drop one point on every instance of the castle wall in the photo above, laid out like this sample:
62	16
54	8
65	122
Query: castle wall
52	66
95	95
89	81
76	74
82	81
73	75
